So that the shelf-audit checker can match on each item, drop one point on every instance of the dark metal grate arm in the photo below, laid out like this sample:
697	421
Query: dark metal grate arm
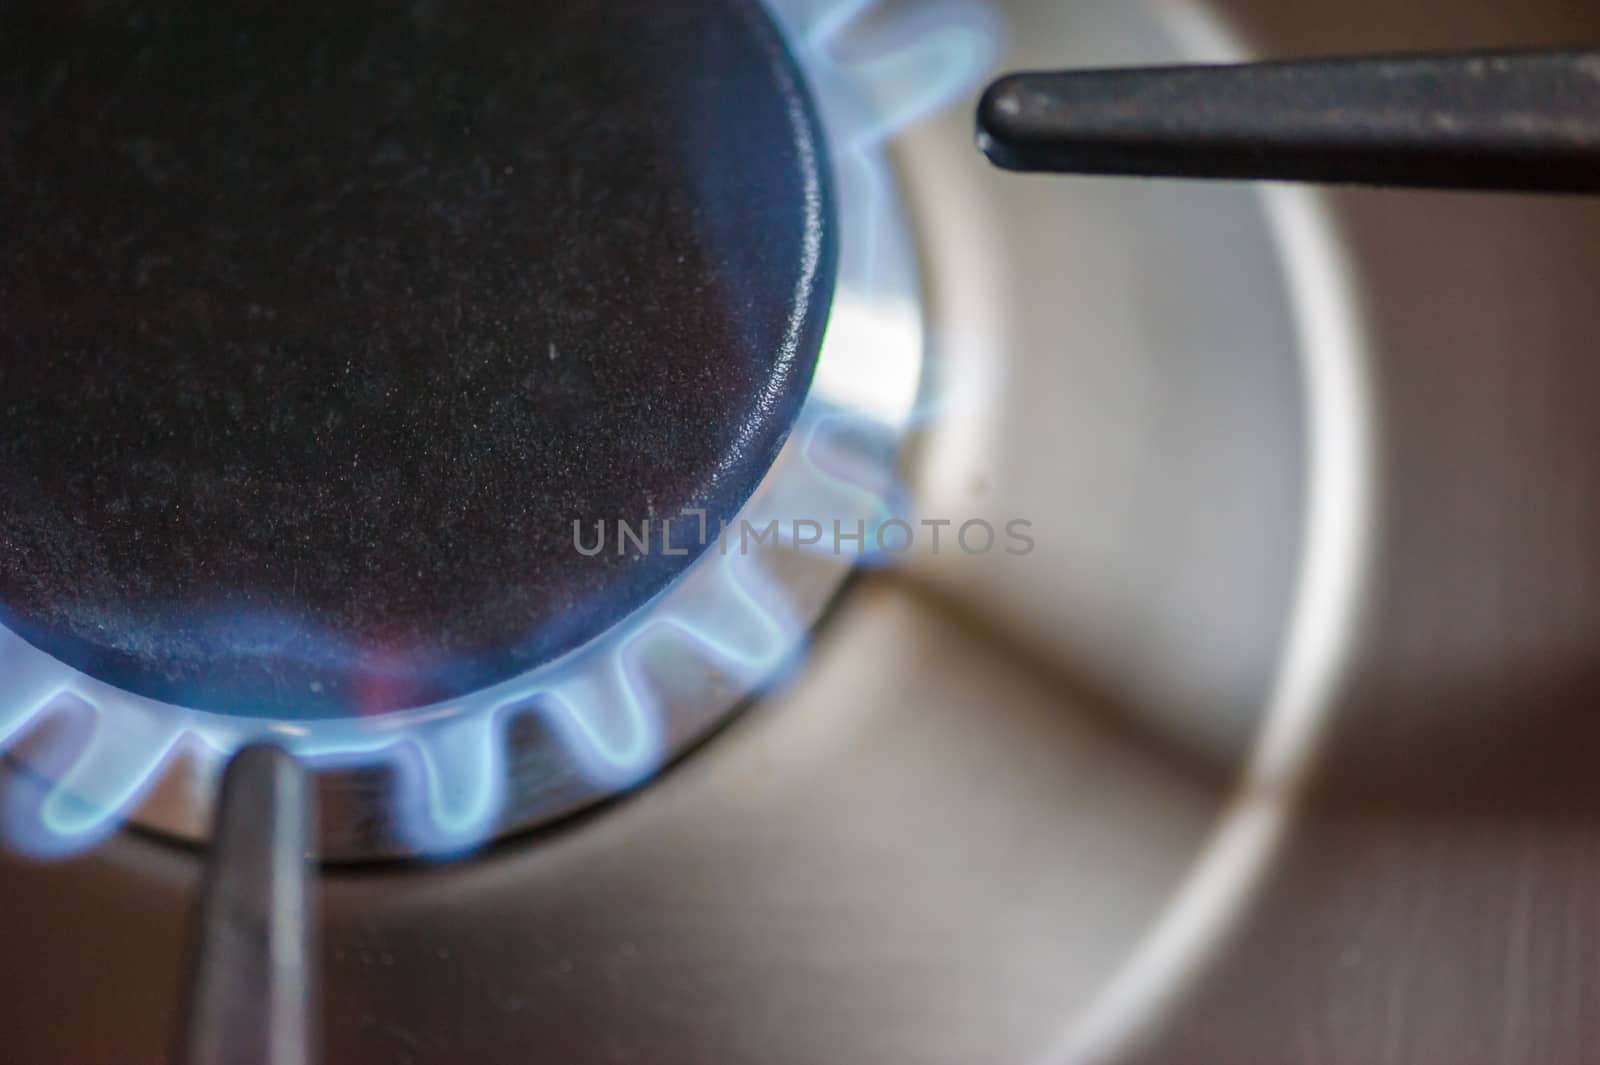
251	997
1523	120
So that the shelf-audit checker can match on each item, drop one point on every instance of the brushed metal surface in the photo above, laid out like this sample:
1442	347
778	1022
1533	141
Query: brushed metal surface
1436	898
952	832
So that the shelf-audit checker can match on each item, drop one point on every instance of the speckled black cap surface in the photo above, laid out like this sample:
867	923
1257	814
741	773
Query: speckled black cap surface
320	325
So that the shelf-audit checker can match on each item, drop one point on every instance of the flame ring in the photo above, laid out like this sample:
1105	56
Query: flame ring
443	779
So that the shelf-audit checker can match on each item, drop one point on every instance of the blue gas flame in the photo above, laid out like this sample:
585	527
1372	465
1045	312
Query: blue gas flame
94	752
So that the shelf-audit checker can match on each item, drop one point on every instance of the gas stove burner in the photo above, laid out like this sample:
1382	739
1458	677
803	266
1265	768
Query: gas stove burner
329	340
320	329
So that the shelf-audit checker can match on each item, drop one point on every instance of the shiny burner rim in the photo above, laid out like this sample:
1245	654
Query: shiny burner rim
444	779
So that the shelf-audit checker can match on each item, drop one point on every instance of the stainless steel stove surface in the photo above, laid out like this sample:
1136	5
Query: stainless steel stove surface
1257	735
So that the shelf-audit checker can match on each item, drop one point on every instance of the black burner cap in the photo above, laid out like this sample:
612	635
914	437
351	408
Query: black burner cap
321	324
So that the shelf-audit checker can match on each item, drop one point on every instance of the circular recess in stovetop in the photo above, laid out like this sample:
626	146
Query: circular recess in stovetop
321	326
